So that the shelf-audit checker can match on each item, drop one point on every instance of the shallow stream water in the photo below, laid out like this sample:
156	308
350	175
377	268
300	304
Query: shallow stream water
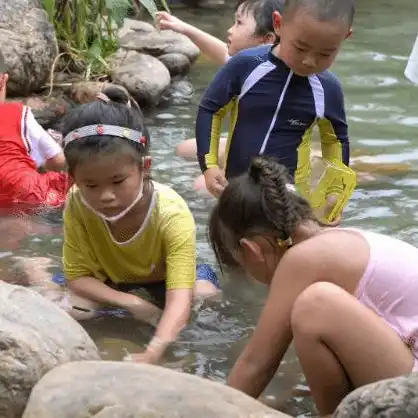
383	118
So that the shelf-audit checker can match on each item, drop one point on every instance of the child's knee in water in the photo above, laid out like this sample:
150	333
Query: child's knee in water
207	282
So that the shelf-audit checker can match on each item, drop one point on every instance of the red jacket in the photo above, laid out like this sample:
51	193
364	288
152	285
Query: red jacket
21	185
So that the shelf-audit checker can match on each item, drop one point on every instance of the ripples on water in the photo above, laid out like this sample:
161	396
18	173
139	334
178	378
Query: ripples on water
383	118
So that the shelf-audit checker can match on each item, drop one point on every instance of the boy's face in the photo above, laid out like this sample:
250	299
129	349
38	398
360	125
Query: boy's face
241	35
308	46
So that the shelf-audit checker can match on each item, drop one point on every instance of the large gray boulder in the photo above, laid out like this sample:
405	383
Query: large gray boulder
35	337
28	43
125	390
143	37
146	78
391	398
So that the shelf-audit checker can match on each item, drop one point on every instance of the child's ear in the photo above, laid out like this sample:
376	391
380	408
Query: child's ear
349	33
270	38
277	22
251	250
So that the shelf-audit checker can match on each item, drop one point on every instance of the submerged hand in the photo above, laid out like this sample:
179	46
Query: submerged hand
145	357
153	353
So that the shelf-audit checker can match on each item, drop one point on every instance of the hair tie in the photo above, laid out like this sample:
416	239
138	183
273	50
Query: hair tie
290	187
103	97
285	243
129	103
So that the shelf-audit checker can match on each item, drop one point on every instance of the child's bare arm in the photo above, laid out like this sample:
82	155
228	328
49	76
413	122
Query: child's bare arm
212	47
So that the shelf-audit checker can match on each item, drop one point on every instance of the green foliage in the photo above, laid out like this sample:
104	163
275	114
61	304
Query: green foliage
87	30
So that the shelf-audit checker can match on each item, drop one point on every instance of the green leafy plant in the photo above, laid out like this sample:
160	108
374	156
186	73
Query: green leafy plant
87	30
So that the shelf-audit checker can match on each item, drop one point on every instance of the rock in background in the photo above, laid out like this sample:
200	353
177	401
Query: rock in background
148	59
145	77
126	390
35	337
28	43
391	398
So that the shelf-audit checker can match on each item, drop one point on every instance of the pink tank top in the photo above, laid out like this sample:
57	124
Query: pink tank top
389	285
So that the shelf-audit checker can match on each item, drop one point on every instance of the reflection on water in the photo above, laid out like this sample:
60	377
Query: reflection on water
383	119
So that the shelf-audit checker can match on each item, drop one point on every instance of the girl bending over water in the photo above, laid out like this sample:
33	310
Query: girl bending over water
121	229
347	297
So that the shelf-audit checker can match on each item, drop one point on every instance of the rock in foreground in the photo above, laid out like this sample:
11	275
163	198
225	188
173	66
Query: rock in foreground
35	336
111	389
391	398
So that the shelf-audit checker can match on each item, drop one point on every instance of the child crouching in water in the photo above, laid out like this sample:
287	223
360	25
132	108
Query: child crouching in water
253	26
123	230
347	297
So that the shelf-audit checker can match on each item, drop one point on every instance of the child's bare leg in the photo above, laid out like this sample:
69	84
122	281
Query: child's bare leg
200	185
207	283
188	149
342	344
80	308
204	289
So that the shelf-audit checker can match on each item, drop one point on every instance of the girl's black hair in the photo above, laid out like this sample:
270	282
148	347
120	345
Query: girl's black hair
121	110
263	13
258	202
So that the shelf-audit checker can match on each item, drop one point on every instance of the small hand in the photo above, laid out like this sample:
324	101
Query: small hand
145	357
215	181
168	21
325	211
329	207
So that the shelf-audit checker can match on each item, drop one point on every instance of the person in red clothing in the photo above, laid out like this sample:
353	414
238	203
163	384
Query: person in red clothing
25	147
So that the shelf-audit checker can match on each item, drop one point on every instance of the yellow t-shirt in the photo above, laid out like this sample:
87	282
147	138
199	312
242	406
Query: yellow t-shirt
167	237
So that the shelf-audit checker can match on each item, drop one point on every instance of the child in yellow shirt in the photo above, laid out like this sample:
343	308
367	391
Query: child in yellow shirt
121	229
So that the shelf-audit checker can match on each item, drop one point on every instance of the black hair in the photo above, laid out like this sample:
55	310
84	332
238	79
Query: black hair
263	13
259	202
324	10
121	110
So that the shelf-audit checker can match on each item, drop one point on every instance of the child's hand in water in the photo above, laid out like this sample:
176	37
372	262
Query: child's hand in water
143	310
168	21
153	353
215	181
145	357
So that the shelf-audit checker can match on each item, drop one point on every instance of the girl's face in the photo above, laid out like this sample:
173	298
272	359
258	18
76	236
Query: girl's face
109	183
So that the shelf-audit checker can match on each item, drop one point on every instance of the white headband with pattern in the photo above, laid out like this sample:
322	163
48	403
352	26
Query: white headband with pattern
111	130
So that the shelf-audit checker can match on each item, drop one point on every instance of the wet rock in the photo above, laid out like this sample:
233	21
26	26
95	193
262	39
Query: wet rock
157	43
35	337
391	398
86	91
180	92
177	64
48	111
135	25
145	77
181	88
111	389
28	43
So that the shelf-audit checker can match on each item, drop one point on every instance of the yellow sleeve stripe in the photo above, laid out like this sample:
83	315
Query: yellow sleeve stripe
212	159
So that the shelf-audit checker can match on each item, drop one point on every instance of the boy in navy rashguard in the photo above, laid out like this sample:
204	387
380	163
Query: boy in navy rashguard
278	94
